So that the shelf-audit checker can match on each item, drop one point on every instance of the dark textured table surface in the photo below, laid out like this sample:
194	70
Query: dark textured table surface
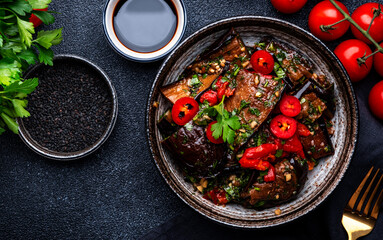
117	192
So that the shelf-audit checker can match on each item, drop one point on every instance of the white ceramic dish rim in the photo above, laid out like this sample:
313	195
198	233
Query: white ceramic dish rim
137	56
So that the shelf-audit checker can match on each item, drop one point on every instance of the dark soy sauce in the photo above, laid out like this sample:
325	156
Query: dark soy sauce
145	25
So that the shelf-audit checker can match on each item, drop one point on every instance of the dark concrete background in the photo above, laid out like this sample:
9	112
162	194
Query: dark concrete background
118	192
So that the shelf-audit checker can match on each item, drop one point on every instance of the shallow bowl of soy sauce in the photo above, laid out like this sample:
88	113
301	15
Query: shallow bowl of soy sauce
144	30
50	149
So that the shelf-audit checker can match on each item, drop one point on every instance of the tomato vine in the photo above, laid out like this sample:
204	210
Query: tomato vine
347	17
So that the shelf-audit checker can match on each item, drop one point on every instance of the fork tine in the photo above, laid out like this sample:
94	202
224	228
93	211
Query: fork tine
367	208
375	210
355	196
359	208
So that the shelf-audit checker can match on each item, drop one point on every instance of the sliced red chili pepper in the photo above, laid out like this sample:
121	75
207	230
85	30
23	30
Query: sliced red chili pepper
270	177
210	96
209	134
261	151
262	62
221	90
290	106
217	196
283	127
229	91
294	145
184	110
303	130
257	164
311	165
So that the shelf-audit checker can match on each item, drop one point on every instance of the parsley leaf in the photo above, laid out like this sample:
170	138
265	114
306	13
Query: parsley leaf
18	50
26	30
39	4
45	55
23	87
49	38
21	7
226	124
44	16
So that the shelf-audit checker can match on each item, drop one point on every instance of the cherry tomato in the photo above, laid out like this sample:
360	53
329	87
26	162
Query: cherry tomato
209	134
270	177
35	20
348	52
262	62
324	13
288	6
210	96
375	100
290	106
363	16
184	110
283	127
378	62
303	130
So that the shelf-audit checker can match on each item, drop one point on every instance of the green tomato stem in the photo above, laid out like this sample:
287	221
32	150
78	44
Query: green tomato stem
365	33
325	28
377	12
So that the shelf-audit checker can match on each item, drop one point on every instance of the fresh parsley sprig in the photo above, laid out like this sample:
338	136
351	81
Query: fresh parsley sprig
226	124
19	48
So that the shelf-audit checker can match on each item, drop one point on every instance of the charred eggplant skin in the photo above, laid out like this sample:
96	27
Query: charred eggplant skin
219	44
191	148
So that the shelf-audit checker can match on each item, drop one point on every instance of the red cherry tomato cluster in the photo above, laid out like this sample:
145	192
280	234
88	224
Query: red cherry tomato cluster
184	109
217	196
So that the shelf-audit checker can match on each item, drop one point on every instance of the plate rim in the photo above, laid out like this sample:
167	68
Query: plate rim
309	205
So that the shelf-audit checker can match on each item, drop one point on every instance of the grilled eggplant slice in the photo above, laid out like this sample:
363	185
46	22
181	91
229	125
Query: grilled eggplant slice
290	176
318	145
199	157
201	74
254	99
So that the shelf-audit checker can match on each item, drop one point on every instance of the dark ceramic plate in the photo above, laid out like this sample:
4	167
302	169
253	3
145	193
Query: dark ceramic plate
321	181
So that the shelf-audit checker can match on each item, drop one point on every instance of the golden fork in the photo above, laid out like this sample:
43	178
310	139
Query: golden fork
359	223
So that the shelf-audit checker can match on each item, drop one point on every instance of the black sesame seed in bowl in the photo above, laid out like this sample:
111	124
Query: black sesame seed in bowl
73	110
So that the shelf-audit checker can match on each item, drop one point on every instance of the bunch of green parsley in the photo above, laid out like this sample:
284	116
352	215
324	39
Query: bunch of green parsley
20	47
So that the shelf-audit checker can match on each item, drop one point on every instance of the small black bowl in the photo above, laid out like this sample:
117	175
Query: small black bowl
66	156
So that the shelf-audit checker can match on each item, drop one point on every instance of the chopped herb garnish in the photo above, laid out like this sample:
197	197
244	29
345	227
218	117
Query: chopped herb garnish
188	126
279	153
195	82
254	111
